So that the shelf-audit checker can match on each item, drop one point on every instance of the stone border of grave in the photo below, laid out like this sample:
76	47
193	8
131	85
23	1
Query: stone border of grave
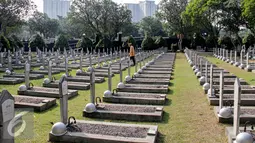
95	138
44	105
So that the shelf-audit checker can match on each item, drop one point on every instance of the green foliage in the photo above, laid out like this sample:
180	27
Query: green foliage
148	43
12	42
18	42
151	26
249	40
40	22
4	42
160	42
102	16
84	43
131	40
248	11
61	43
104	43
37	42
226	41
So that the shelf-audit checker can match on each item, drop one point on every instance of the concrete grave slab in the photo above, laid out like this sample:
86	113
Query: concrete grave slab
46	92
142	88
85	79
127	112
107	132
11	81
39	104
31	76
136	98
71	85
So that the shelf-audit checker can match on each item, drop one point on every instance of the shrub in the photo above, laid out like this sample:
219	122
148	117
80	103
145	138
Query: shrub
148	43
37	41
61	42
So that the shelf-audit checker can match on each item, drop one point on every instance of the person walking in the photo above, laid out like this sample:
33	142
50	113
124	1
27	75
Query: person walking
132	53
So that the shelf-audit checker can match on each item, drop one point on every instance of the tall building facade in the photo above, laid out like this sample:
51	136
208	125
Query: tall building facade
142	9
55	8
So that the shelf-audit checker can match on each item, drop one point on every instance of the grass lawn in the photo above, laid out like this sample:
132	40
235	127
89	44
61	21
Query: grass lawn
187	117
247	76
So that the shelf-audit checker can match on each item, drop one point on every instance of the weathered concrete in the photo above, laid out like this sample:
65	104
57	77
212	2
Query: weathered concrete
46	92
141	88
11	81
31	76
42	106
71	85
126	115
85	79
77	137
136	98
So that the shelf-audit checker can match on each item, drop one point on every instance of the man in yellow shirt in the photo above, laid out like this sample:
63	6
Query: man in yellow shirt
132	53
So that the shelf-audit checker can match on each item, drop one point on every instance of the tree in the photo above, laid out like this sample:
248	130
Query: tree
40	22
84	43
12	12
19	43
102	17
248	11
4	43
151	26
37	42
61	42
12	43
160	42
170	13
148	43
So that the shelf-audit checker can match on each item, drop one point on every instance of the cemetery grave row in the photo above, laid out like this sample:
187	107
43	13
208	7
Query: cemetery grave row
244	61
223	91
137	89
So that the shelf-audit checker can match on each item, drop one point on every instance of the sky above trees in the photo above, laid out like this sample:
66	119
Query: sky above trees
39	3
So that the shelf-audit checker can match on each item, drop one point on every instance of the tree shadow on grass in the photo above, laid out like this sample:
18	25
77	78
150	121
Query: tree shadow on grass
170	92
171	84
160	138
168	102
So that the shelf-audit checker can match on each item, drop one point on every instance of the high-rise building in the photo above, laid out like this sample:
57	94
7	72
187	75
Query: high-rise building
142	9
55	8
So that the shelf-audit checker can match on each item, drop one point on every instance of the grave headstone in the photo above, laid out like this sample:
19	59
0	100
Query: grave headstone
6	115
2	58
66	66
81	56
63	99
10	62
235	56
120	72
50	70
27	71
109	77
211	81
237	102
221	89
92	86
206	72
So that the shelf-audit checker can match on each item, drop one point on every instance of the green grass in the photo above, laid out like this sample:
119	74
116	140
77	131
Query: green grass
187	115
247	76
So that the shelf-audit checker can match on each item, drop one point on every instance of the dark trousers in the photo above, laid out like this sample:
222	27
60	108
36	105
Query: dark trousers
133	59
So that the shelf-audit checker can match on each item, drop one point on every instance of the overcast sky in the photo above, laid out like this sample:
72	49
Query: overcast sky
39	3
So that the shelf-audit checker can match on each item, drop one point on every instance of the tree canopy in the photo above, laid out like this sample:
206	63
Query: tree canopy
37	42
61	43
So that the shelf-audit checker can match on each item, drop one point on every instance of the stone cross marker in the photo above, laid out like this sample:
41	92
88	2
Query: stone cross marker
2	58
98	59
90	61
81	56
16	57
109	77
66	66
27	71
50	70
206	72
211	81
6	115
10	62
92	86
221	89
241	57
237	101
63	98
120	73
230	55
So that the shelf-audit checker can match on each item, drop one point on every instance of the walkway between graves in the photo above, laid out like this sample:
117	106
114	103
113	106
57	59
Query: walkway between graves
249	77
190	117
